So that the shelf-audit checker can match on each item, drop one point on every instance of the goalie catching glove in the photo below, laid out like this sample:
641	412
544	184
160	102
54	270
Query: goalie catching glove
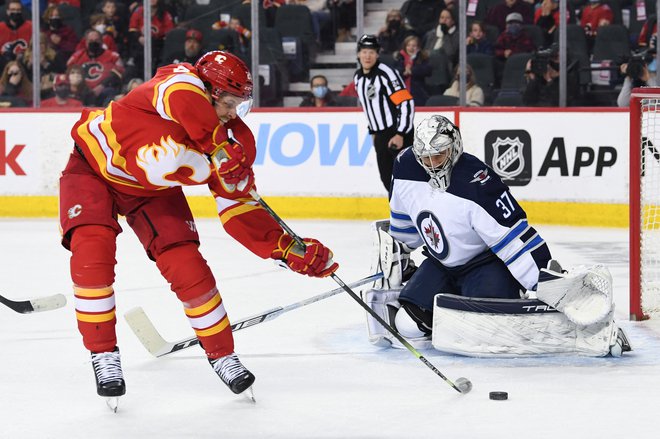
314	259
233	168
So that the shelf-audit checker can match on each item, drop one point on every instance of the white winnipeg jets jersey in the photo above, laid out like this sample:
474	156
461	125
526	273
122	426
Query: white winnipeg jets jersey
477	214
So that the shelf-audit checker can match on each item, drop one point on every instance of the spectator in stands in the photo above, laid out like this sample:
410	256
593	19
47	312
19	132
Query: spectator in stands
444	37
343	17
542	76
270	9
103	68
78	87
413	65
62	38
547	18
321	22
192	48
649	39
497	14
62	98
15	86
514	39
100	23
477	41
594	15
161	23
117	23
637	74
51	63
74	3
320	95
391	35
474	95
15	33
421	14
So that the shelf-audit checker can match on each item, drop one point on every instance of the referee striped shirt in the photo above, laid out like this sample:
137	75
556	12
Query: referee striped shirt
384	98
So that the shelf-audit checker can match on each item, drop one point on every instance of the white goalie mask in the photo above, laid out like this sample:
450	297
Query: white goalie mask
437	147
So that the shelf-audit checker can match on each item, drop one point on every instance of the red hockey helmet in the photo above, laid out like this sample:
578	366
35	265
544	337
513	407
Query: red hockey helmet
226	73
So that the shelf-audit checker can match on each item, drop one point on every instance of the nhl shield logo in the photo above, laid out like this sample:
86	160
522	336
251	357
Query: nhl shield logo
508	160
433	235
509	153
371	91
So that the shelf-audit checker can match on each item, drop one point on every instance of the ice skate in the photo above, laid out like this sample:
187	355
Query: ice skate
621	344
109	377
233	374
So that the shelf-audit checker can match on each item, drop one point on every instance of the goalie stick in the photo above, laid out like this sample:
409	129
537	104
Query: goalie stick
151	339
461	385
35	305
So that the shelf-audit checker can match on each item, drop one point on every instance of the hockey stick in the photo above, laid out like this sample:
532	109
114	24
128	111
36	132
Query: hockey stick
35	305
462	385
156	345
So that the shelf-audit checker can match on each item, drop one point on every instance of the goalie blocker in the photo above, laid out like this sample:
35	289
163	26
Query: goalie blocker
479	327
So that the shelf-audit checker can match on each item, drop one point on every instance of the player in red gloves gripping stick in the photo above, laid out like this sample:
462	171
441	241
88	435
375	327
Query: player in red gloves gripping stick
183	127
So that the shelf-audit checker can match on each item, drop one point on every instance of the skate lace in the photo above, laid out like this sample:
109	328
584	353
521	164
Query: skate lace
228	368
107	366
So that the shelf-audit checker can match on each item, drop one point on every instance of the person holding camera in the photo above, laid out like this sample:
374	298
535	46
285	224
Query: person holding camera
542	75
638	73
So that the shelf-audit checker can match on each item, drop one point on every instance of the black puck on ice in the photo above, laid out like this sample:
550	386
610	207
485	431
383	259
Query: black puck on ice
498	396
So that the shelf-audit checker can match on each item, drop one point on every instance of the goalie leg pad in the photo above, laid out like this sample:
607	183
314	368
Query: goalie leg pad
584	295
514	328
385	304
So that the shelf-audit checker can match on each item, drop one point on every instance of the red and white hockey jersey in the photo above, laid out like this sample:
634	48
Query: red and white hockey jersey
157	138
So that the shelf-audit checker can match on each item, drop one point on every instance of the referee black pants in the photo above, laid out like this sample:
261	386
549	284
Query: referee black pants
385	156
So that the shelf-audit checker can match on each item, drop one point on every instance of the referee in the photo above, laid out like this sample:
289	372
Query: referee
387	104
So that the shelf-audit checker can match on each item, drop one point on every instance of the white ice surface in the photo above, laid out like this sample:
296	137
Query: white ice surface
317	376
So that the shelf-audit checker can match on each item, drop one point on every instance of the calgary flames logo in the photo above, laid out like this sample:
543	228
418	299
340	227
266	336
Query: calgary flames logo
433	235
161	162
92	70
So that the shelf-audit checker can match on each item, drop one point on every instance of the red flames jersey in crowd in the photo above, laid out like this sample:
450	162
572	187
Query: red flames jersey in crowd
15	40
156	138
96	70
159	27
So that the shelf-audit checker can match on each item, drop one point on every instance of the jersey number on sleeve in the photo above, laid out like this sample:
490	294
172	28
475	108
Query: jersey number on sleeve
507	208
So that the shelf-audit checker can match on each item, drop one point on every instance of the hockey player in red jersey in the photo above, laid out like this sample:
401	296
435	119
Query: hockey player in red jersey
180	128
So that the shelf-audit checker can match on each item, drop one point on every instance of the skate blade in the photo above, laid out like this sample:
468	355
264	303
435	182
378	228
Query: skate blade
249	394
112	403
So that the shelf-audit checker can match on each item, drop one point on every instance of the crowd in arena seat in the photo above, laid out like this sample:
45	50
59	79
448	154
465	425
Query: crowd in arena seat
94	49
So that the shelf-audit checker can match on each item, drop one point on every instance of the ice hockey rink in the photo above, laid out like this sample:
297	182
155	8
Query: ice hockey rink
317	375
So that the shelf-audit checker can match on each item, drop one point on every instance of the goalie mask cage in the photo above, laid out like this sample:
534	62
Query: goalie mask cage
644	203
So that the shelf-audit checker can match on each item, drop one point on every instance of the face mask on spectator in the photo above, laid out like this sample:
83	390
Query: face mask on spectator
75	78
62	91
94	48
444	28
394	24
17	18
55	23
320	91
100	28
513	28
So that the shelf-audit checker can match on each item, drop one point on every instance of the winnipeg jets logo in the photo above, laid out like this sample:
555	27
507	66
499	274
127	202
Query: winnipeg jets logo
481	177
371	91
508	160
433	235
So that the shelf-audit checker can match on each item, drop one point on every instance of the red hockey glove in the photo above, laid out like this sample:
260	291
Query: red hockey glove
314	260
233	168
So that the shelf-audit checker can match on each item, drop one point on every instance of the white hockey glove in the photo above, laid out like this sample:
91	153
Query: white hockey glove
390	256
583	295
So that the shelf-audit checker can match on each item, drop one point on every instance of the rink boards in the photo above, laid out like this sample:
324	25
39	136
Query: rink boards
565	166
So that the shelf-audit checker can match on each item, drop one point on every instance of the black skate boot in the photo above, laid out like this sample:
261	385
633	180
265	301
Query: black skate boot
109	377
233	373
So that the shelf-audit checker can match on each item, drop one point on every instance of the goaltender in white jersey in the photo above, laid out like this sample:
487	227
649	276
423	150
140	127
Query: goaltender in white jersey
471	295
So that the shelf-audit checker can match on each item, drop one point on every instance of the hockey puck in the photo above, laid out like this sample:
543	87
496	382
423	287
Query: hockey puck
498	396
